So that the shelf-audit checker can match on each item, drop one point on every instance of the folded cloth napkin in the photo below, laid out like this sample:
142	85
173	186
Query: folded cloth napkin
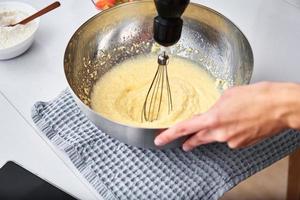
118	171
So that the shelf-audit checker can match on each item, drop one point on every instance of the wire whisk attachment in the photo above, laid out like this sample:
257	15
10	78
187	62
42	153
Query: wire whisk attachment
159	90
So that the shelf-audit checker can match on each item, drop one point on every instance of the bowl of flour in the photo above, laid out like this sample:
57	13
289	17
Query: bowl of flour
15	40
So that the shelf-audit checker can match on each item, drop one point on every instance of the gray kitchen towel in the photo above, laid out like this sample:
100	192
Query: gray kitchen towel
118	171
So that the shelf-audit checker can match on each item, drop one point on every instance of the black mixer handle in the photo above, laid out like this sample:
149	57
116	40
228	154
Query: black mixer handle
167	26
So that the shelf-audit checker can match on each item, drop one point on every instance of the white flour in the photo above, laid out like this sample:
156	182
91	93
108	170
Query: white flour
10	36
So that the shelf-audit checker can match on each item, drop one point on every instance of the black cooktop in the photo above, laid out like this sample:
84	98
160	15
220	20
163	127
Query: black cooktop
16	183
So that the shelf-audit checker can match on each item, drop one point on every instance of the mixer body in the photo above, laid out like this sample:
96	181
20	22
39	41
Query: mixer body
167	26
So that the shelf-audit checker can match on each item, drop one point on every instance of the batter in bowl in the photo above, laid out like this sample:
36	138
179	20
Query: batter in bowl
119	95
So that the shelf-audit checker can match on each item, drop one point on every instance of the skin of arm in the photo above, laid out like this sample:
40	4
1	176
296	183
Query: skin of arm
242	117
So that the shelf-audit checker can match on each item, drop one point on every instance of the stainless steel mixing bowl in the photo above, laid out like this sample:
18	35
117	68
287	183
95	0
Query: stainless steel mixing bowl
125	31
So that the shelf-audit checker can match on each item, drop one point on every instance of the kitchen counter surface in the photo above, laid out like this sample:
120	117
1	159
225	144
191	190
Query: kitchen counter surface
272	27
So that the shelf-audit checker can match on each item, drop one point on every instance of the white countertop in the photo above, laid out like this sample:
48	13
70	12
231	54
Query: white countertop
272	27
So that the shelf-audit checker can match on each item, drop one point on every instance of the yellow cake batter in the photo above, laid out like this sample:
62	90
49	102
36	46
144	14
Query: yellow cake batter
119	95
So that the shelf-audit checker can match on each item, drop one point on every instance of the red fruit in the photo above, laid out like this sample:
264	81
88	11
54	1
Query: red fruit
104	4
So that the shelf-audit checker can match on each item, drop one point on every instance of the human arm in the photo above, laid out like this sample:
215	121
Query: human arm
242	116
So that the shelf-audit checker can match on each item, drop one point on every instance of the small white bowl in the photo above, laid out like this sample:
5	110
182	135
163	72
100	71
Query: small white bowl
18	49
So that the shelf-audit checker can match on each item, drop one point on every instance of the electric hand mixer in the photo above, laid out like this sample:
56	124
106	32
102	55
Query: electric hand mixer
167	30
